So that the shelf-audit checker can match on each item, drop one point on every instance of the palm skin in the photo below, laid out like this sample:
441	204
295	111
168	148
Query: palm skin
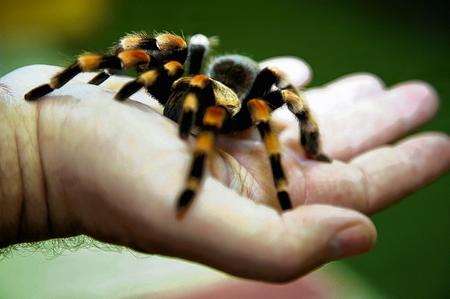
113	171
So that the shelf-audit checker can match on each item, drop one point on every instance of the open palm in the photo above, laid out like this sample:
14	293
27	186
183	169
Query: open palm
113	171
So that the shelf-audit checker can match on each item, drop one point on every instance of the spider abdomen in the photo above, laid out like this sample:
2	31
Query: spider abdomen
235	71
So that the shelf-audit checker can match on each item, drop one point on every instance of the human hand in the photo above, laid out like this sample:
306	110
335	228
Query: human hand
113	170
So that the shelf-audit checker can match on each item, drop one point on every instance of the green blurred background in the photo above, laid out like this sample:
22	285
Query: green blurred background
396	40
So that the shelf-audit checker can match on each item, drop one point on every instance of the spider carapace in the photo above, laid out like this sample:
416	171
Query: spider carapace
232	95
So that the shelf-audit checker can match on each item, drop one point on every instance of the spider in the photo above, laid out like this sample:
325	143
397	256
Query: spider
233	95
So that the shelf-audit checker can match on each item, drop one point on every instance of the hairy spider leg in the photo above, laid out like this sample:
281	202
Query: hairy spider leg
288	94
157	81
260	114
212	122
91	62
198	96
309	130
164	47
263	83
101	77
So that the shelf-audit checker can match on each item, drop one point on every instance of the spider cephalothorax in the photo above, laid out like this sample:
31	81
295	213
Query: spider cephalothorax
233	95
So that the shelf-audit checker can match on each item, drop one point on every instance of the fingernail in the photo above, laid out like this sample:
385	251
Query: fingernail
350	241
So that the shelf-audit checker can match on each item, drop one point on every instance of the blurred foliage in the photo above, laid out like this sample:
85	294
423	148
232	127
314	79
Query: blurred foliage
50	19
397	40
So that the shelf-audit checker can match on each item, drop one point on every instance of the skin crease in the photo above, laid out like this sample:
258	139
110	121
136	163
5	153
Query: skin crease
113	170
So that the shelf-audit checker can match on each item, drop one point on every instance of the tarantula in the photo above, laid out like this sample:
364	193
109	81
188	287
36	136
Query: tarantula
233	95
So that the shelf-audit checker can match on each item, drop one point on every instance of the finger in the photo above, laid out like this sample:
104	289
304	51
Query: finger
340	94
126	195
335	97
391	173
374	180
345	91
356	85
379	121
370	123
297	71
